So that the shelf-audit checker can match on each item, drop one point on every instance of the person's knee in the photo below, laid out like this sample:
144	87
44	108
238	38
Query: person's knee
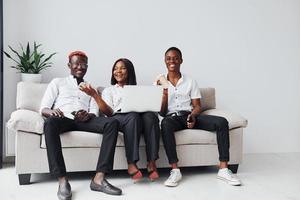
51	122
133	117
222	123
114	123
150	117
166	123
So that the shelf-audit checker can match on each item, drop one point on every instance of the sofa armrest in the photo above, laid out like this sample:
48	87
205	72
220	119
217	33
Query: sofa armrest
234	120
26	120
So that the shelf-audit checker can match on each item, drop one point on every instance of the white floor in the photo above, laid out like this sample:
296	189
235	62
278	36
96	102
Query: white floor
264	176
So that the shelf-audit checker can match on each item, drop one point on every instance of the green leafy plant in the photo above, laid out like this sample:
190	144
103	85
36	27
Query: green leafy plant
27	61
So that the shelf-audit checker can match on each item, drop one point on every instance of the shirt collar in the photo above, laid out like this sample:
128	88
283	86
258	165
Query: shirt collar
117	86
76	80
179	81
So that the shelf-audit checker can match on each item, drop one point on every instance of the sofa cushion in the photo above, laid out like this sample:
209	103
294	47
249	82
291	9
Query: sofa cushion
208	99
234	120
26	120
30	121
29	95
88	139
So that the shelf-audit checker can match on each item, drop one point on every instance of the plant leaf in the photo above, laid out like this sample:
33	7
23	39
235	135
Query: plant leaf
6	54
30	61
49	57
14	51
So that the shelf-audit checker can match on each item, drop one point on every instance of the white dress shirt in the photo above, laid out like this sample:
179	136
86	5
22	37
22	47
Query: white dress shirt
180	96
63	93
113	97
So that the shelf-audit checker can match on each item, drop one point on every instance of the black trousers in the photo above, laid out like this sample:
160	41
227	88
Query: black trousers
151	131
171	124
54	126
134	124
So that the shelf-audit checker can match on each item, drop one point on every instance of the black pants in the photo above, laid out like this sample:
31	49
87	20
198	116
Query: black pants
132	125
151	131
54	126
171	124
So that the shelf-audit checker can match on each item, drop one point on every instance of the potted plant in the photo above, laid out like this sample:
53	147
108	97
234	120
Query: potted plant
30	63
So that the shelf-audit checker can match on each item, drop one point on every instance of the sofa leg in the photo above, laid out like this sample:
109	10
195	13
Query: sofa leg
233	168
24	179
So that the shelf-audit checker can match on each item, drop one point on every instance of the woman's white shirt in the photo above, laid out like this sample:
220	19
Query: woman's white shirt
113	96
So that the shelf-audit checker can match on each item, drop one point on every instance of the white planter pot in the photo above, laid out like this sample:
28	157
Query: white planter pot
35	78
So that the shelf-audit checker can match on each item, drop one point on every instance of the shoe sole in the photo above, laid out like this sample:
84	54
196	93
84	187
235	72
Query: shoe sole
137	180
153	179
153	176
136	177
97	190
171	185
229	182
175	184
63	198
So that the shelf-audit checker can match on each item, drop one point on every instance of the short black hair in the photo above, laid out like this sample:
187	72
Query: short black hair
131	78
174	49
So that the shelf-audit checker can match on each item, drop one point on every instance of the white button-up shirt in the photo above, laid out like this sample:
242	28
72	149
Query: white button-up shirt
113	97
63	93
180	96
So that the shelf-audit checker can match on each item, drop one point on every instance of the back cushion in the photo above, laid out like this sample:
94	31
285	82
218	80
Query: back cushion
208	99
29	95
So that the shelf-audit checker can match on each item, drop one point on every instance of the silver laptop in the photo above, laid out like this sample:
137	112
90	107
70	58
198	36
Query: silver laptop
141	98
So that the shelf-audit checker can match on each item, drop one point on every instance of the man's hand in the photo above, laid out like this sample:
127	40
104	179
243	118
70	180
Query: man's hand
191	121
82	116
88	89
56	112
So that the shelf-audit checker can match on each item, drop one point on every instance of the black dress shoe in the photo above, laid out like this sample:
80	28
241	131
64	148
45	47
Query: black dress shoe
105	187
64	191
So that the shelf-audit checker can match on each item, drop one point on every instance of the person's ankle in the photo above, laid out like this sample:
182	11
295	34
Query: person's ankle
98	178
151	166
174	166
132	168
62	180
223	165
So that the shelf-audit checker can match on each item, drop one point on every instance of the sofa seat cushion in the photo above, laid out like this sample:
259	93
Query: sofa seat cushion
234	120
88	139
26	120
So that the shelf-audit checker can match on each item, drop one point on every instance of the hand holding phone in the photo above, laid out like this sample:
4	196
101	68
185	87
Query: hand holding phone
81	115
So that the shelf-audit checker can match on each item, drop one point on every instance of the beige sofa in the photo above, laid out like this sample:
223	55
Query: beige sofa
81	149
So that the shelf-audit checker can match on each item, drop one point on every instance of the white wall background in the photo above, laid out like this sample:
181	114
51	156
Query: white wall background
249	50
